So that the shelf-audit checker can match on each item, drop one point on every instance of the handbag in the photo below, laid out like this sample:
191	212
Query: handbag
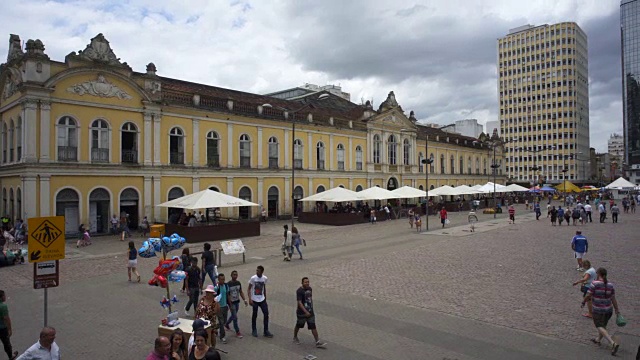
304	242
620	320
446	221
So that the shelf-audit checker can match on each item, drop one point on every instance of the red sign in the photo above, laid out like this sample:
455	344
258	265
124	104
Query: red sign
46	274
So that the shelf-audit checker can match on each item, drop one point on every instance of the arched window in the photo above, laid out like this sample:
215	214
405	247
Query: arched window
461	170
245	151
377	148
420	162
432	166
407	152
67	139
19	202
19	139
469	163
99	141
176	146
340	149
244	194
442	164
431	187
298	154
11	143
358	157
320	155
273	152
477	166
213	149
12	206
452	160
319	189
129	143
420	187
392	150
358	188
5	144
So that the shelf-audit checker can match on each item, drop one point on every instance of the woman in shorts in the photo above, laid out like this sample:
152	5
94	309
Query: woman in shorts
602	295
132	266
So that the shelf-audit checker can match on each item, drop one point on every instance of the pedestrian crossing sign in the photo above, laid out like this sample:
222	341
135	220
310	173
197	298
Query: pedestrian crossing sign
46	238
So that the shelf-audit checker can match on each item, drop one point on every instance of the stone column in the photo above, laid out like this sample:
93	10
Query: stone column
45	195
311	148
231	212
195	184
157	212
259	149
29	195
330	183
196	143
147	139
286	206
30	118
351	184
147	187
350	153
331	151
156	139
287	153
230	142
45	132
261	192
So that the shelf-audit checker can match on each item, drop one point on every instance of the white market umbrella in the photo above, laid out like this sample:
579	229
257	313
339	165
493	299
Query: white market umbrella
444	190
377	193
488	187
465	190
476	187
206	199
408	192
336	194
620	183
513	188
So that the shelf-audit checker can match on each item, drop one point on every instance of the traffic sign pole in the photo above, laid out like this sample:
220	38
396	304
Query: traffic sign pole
46	302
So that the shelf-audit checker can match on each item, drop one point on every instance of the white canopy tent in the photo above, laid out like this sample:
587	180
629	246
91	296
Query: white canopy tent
206	199
444	190
377	193
476	187
336	194
408	192
465	190
512	188
621	184
488	187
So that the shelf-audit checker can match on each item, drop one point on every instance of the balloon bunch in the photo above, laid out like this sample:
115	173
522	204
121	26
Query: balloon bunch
166	302
163	271
167	243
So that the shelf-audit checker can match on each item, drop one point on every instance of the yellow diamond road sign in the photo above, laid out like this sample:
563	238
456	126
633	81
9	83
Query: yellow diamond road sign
46	238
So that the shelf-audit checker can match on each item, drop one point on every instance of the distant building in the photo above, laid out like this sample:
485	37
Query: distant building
604	168
492	125
616	145
543	96
466	127
306	89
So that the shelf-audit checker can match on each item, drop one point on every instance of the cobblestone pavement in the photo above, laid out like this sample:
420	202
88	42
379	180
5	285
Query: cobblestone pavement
381	291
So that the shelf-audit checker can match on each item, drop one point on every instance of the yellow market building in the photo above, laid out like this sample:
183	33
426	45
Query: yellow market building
89	137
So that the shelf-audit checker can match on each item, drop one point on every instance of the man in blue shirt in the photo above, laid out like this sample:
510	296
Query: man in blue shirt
580	246
223	290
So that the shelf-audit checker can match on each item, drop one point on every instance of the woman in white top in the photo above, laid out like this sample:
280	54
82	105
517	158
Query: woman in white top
585	283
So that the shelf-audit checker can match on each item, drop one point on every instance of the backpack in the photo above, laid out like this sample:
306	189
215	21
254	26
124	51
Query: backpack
576	213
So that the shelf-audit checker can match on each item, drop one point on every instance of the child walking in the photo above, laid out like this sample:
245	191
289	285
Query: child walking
132	266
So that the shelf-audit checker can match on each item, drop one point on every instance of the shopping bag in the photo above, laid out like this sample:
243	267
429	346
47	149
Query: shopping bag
446	221
620	320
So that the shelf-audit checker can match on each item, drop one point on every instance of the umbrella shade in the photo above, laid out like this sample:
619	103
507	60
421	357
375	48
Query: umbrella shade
408	192
567	186
488	187
377	193
547	188
516	188
444	190
206	199
336	194
465	190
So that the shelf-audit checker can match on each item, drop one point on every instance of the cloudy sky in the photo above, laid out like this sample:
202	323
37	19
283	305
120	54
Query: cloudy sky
438	56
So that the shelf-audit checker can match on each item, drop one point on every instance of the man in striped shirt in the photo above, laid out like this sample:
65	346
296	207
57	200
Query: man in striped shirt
603	299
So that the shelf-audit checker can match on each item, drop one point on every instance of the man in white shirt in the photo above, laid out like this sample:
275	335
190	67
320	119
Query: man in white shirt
587	209
45	348
257	291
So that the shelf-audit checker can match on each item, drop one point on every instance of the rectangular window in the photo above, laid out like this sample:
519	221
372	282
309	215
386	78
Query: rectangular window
273	155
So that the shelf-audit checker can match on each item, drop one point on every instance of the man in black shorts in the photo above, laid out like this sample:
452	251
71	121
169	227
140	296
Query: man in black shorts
305	313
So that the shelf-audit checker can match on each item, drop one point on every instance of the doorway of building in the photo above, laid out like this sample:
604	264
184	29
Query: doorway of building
298	194
129	200
243	211
68	205
99	204
272	202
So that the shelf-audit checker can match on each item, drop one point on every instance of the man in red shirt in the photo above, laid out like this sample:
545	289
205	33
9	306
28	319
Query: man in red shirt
443	216
512	215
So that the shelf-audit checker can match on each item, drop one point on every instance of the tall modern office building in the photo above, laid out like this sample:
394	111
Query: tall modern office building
544	102
630	37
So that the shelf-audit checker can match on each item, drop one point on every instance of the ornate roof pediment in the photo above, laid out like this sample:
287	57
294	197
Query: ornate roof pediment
392	119
100	88
99	50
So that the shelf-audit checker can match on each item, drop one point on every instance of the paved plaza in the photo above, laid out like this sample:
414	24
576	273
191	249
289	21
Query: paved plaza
381	291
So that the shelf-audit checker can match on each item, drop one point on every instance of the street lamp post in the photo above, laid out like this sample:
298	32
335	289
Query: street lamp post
293	152
427	161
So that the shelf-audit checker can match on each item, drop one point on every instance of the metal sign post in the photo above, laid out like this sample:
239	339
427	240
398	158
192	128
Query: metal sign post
46	274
